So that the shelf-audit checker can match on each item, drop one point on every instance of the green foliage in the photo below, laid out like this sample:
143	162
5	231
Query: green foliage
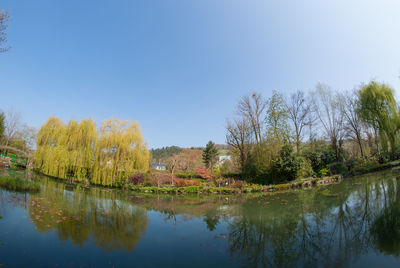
164	152
257	168
210	154
320	157
18	184
306	169
379	110
287	165
324	172
338	168
192	189
80	152
277	116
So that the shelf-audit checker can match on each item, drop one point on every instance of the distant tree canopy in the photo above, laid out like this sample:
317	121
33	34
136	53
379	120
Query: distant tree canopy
161	154
107	156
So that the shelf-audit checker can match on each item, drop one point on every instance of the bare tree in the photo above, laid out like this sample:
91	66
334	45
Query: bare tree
4	16
328	111
298	110
239	136
353	124
12	126
253	108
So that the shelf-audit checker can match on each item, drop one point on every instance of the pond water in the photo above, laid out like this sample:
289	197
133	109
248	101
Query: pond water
352	224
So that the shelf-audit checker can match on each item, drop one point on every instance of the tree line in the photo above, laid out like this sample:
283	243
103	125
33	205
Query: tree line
323	131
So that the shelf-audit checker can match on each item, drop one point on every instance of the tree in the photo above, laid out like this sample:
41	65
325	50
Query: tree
107	156
277	116
287	165
4	17
330	116
298	112
353	124
210	154
252	108
12	125
238	136
2	122
379	109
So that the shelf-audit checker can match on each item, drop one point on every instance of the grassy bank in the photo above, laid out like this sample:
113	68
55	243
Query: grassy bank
18	184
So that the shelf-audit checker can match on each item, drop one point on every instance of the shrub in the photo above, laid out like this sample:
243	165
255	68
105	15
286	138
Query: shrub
324	172
136	179
161	179
338	168
238	184
287	165
306	169
192	189
186	182
320	158
203	173
187	175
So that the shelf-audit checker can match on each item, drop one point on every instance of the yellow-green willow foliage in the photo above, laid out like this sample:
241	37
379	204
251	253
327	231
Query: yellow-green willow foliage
80	151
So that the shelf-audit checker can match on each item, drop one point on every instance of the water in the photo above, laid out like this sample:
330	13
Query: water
352	224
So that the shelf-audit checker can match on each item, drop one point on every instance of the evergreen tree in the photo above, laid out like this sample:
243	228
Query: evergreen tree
210	154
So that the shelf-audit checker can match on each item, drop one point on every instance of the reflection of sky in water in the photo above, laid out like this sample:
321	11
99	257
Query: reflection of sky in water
104	227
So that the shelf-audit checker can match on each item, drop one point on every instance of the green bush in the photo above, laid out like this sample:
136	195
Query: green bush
306	169
287	165
192	189
338	168
320	157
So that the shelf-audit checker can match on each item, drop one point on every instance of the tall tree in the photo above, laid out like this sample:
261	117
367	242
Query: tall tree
2	119
277	115
12	126
330	116
238	136
353	124
4	16
298	111
379	109
210	154
253	108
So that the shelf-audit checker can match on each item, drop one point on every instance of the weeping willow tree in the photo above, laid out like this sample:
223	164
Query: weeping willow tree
119	151
80	151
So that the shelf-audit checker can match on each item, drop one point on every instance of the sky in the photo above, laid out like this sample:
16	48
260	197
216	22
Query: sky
179	67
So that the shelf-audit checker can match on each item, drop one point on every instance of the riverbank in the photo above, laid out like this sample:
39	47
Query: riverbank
194	186
18	184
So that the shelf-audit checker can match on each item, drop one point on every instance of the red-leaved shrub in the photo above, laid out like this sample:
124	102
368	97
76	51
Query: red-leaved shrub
203	173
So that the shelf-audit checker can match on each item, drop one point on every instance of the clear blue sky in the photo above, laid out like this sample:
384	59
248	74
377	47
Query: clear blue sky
180	66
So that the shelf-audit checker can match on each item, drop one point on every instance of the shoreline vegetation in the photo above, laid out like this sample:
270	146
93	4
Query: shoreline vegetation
267	148
19	185
202	187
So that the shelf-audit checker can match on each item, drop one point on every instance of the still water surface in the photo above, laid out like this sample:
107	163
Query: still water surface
352	224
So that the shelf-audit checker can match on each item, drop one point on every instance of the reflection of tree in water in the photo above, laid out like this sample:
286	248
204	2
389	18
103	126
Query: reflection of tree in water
315	229
386	228
80	213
